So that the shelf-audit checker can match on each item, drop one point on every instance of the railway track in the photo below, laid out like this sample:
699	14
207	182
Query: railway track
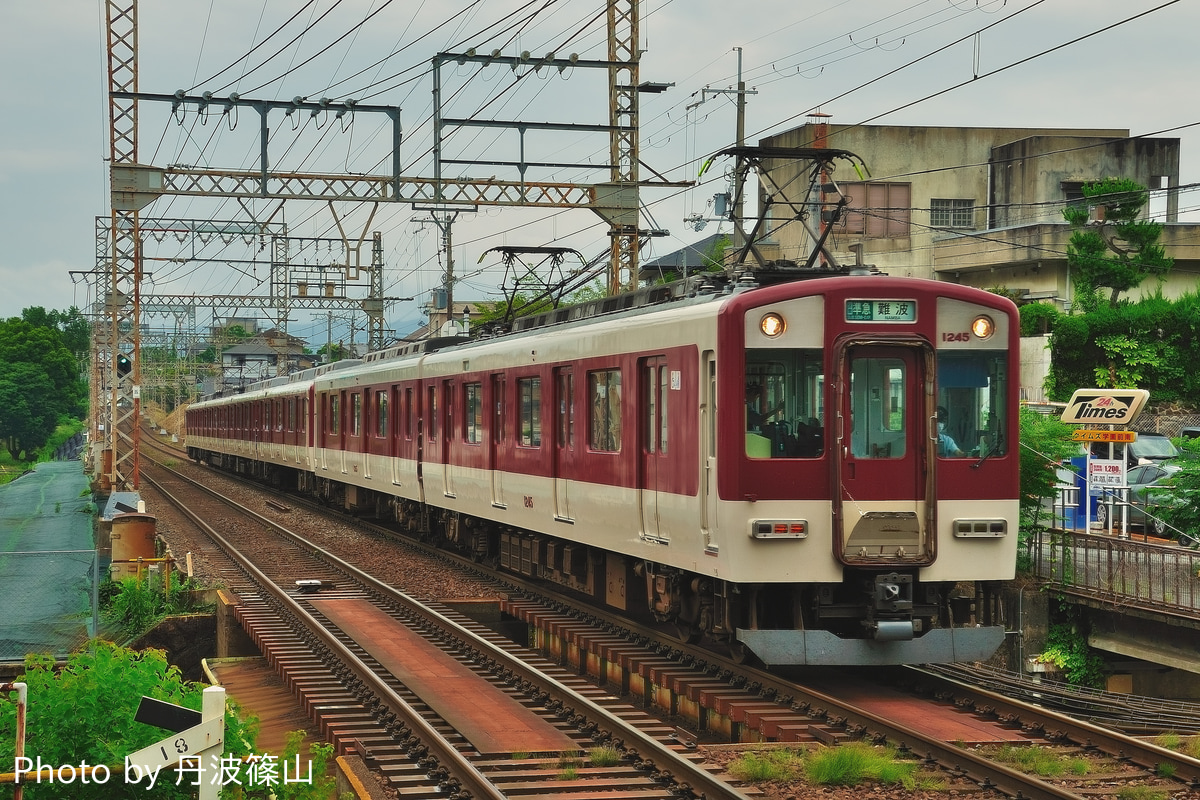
713	696
321	632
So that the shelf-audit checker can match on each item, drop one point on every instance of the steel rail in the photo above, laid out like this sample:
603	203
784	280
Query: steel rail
456	764
691	776
1144	754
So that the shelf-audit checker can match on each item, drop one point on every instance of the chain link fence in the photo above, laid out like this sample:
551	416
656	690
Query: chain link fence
1170	425
50	602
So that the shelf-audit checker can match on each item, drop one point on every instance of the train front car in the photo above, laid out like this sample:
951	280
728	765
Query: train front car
867	449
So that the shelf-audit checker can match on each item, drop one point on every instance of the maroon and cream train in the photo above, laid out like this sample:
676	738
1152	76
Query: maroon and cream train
765	466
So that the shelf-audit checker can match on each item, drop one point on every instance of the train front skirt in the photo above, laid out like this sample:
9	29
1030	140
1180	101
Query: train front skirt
822	648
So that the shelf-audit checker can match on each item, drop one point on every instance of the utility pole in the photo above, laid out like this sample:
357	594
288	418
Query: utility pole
739	169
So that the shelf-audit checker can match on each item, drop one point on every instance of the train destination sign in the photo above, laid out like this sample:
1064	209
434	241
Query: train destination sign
881	311
1088	435
1105	406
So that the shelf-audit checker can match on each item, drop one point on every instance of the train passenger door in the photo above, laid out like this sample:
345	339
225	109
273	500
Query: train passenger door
343	438
496	441
883	507
564	440
708	451
654	467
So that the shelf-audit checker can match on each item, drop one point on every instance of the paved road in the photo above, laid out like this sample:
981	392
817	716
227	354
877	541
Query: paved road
45	592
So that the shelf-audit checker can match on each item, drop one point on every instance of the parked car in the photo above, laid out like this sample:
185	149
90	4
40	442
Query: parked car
1146	494
1148	448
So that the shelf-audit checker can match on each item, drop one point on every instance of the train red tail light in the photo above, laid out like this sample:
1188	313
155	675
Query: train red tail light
779	529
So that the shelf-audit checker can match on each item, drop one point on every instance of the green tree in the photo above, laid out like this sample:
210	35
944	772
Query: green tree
1045	444
526	305
332	352
1180	497
84	713
39	382
1119	250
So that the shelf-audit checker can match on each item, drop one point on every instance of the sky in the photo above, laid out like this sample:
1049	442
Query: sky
1127	64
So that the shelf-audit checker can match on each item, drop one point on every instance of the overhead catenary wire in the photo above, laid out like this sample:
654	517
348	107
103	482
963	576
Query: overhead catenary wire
583	228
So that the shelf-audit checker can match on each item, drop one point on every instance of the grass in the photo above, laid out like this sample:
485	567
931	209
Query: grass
1141	793
604	756
847	765
851	764
568	766
1188	745
1040	761
11	468
755	766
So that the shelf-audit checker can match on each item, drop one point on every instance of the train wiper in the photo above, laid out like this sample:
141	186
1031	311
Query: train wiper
991	451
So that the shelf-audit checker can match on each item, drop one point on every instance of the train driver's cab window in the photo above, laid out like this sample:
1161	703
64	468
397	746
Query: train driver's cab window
784	410
971	412
877	411
604	411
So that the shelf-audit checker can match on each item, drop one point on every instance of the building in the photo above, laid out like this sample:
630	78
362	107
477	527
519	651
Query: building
976	206
257	358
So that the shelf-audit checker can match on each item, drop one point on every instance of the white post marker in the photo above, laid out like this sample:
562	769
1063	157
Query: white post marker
205	742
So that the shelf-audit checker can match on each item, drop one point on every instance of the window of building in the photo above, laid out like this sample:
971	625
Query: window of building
952	213
473	412
529	396
878	210
604	402
1072	192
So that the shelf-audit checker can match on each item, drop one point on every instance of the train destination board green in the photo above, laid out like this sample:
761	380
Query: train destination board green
881	311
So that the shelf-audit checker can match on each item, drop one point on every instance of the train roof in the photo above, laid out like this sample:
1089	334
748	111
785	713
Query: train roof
698	289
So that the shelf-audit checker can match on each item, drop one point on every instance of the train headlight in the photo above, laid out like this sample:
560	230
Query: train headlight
983	327
772	325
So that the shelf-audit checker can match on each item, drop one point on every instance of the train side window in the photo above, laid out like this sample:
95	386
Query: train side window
431	411
407	412
381	414
499	424
604	408
356	414
566	407
473	412
655	409
529	395
335	415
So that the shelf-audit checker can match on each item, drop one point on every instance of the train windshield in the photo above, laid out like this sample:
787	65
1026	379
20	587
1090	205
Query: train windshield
784	411
971	410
